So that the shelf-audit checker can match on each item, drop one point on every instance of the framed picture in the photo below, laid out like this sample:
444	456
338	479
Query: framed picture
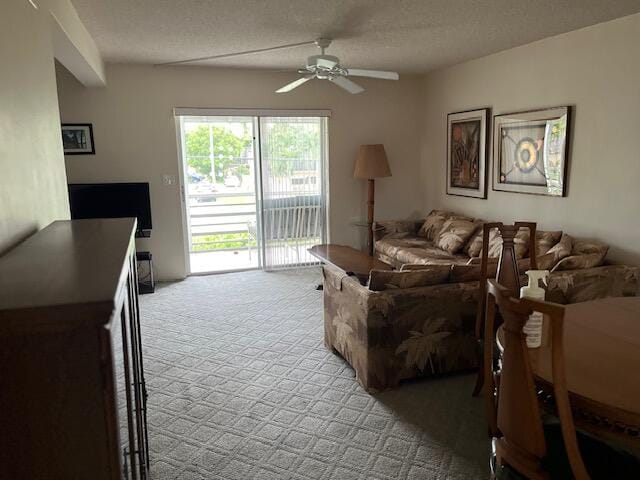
77	139
530	151
466	153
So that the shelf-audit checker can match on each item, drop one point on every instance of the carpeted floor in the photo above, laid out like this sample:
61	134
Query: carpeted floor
241	387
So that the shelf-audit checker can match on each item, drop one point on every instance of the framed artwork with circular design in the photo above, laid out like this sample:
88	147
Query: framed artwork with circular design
530	151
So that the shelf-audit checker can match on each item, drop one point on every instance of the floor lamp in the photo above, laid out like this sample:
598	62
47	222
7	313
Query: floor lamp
371	164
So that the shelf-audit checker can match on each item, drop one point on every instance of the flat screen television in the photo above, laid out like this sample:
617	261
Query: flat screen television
111	200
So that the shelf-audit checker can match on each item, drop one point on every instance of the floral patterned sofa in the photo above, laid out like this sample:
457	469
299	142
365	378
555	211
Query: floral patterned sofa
419	320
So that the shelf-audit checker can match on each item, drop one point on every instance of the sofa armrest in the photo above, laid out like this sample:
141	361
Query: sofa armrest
386	227
573	286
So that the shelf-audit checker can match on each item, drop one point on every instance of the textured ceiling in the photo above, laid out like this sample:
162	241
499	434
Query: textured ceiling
409	36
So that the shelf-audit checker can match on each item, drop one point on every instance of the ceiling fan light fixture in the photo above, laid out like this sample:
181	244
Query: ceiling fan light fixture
327	67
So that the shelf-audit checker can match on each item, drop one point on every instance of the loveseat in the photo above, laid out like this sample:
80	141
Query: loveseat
419	319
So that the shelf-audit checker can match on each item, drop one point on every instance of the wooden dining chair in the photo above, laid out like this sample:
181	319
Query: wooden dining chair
507	274
526	443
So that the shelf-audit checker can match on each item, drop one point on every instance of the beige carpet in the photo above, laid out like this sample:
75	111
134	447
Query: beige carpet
241	387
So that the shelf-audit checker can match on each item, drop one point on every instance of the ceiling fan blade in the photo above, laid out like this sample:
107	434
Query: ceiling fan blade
295	84
359	72
347	84
237	54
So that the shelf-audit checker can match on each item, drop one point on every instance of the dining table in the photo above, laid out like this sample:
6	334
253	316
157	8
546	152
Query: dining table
601	344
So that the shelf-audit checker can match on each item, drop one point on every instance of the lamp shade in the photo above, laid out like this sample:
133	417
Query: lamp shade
371	162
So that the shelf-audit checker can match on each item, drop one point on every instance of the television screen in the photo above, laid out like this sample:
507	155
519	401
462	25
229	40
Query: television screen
111	200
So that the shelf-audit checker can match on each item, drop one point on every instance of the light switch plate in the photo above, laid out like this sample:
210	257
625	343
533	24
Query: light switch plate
168	179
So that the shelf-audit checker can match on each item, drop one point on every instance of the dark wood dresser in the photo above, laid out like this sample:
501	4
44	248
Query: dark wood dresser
72	389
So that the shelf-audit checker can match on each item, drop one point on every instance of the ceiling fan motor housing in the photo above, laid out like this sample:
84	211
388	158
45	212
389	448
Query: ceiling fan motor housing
322	61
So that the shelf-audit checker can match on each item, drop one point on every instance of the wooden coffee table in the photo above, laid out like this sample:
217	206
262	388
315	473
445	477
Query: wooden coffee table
352	261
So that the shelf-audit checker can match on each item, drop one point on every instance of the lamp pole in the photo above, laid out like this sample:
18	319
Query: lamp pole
370	204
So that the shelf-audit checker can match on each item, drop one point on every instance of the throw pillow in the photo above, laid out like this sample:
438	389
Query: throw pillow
474	245
544	262
584	254
432	224
546	240
454	234
520	242
428	275
563	247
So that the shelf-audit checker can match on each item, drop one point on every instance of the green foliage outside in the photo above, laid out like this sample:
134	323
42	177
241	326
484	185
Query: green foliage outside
232	241
227	150
287	143
203	243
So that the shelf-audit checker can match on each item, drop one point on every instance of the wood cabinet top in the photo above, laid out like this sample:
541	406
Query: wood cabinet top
68	265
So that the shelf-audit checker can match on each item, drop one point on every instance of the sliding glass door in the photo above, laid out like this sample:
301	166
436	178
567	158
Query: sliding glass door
293	188
219	177
254	190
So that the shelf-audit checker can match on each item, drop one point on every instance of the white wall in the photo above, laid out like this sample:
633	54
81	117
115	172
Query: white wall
597	71
135	138
33	189
73	46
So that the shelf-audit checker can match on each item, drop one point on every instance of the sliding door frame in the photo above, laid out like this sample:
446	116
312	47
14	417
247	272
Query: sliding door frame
182	187
181	112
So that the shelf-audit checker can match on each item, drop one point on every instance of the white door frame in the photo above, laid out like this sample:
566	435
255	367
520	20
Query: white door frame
184	213
180	113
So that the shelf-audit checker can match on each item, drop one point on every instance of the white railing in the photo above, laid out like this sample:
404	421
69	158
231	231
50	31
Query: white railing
209	217
287	225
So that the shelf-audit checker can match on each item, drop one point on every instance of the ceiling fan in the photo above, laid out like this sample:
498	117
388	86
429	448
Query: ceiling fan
322	67
327	67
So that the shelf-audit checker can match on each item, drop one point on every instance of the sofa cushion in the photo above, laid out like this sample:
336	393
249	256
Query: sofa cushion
546	240
520	242
423	255
544	262
584	254
421	266
432	224
474	245
454	234
471	273
385	279
429	255
563	248
390	244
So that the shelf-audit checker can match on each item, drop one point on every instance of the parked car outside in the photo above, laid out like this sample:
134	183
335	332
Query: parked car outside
232	181
202	190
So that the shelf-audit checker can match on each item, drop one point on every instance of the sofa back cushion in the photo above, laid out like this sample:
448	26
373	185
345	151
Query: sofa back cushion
454	234
546	240
520	242
584	254
474	245
547	261
432	224
428	275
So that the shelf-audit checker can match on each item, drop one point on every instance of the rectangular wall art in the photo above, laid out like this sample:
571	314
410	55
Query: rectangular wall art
77	139
466	153
530	151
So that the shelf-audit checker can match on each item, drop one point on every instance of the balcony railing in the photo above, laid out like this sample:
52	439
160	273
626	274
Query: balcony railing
218	221
223	221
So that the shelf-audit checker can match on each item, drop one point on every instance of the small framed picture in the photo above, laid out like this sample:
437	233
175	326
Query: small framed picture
530	151
77	139
466	153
